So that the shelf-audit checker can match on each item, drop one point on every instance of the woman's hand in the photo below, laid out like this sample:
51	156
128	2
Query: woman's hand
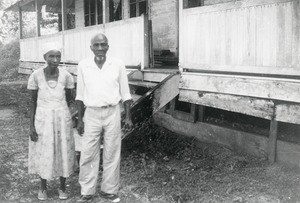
33	135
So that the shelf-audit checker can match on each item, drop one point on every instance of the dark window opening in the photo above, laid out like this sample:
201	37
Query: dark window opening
182	106
115	10
237	121
100	12
132	10
192	3
89	12
137	7
93	12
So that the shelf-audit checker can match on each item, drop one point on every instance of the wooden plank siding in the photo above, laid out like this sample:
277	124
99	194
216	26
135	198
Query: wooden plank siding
126	40
288	112
267	98
250	106
166	92
243	57
252	36
259	87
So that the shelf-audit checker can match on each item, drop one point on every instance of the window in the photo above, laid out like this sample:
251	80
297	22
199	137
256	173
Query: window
115	10
93	12
137	7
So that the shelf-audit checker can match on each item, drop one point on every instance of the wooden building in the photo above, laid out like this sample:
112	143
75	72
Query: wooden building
239	58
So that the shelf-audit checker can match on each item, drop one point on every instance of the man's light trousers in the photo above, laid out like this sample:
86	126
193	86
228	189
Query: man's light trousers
98	122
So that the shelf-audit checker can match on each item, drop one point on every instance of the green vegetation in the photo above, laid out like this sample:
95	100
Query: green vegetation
9	60
9	43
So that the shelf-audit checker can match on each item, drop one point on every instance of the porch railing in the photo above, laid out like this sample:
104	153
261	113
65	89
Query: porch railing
127	39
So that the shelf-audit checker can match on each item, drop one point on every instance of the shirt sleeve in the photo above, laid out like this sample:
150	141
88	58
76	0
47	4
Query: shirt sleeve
69	81
32	82
124	87
80	84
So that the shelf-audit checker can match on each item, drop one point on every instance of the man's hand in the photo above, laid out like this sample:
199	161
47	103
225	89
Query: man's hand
80	127
127	121
33	135
127	125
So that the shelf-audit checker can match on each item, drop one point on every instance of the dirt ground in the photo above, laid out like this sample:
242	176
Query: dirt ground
157	166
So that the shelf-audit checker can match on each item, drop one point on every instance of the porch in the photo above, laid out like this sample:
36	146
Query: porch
131	46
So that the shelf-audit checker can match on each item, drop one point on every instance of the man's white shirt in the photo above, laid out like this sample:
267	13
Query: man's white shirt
102	87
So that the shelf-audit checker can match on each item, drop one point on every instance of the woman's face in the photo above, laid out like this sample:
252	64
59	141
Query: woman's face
53	58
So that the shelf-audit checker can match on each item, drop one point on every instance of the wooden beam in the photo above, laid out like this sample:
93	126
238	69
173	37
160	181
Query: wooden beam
201	111
288	112
149	61
20	23
64	19
266	70
166	92
146	54
272	142
260	87
126	9
180	37
135	75
38	16
96	12
155	77
105	11
245	105
149	37
233	5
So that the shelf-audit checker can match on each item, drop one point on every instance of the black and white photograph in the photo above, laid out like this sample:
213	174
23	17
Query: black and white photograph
150	101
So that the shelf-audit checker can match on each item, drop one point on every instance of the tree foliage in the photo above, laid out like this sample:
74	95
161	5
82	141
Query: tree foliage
9	22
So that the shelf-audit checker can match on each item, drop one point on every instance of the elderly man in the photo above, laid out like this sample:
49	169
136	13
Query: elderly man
101	85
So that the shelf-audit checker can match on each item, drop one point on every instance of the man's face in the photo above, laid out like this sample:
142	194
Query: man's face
53	58
99	46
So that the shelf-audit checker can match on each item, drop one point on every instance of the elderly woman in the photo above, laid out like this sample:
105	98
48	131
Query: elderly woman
51	144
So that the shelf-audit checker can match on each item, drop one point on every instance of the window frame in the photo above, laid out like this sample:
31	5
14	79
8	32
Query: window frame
137	7
97	13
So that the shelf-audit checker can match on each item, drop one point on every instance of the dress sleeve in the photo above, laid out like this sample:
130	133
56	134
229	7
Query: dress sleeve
32	82
69	81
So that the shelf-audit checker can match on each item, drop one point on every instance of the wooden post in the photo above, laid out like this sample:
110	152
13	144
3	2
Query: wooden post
194	109
126	10
150	36
202	2
20	23
272	141
177	28
180	40
201	109
64	22
105	12
37	10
